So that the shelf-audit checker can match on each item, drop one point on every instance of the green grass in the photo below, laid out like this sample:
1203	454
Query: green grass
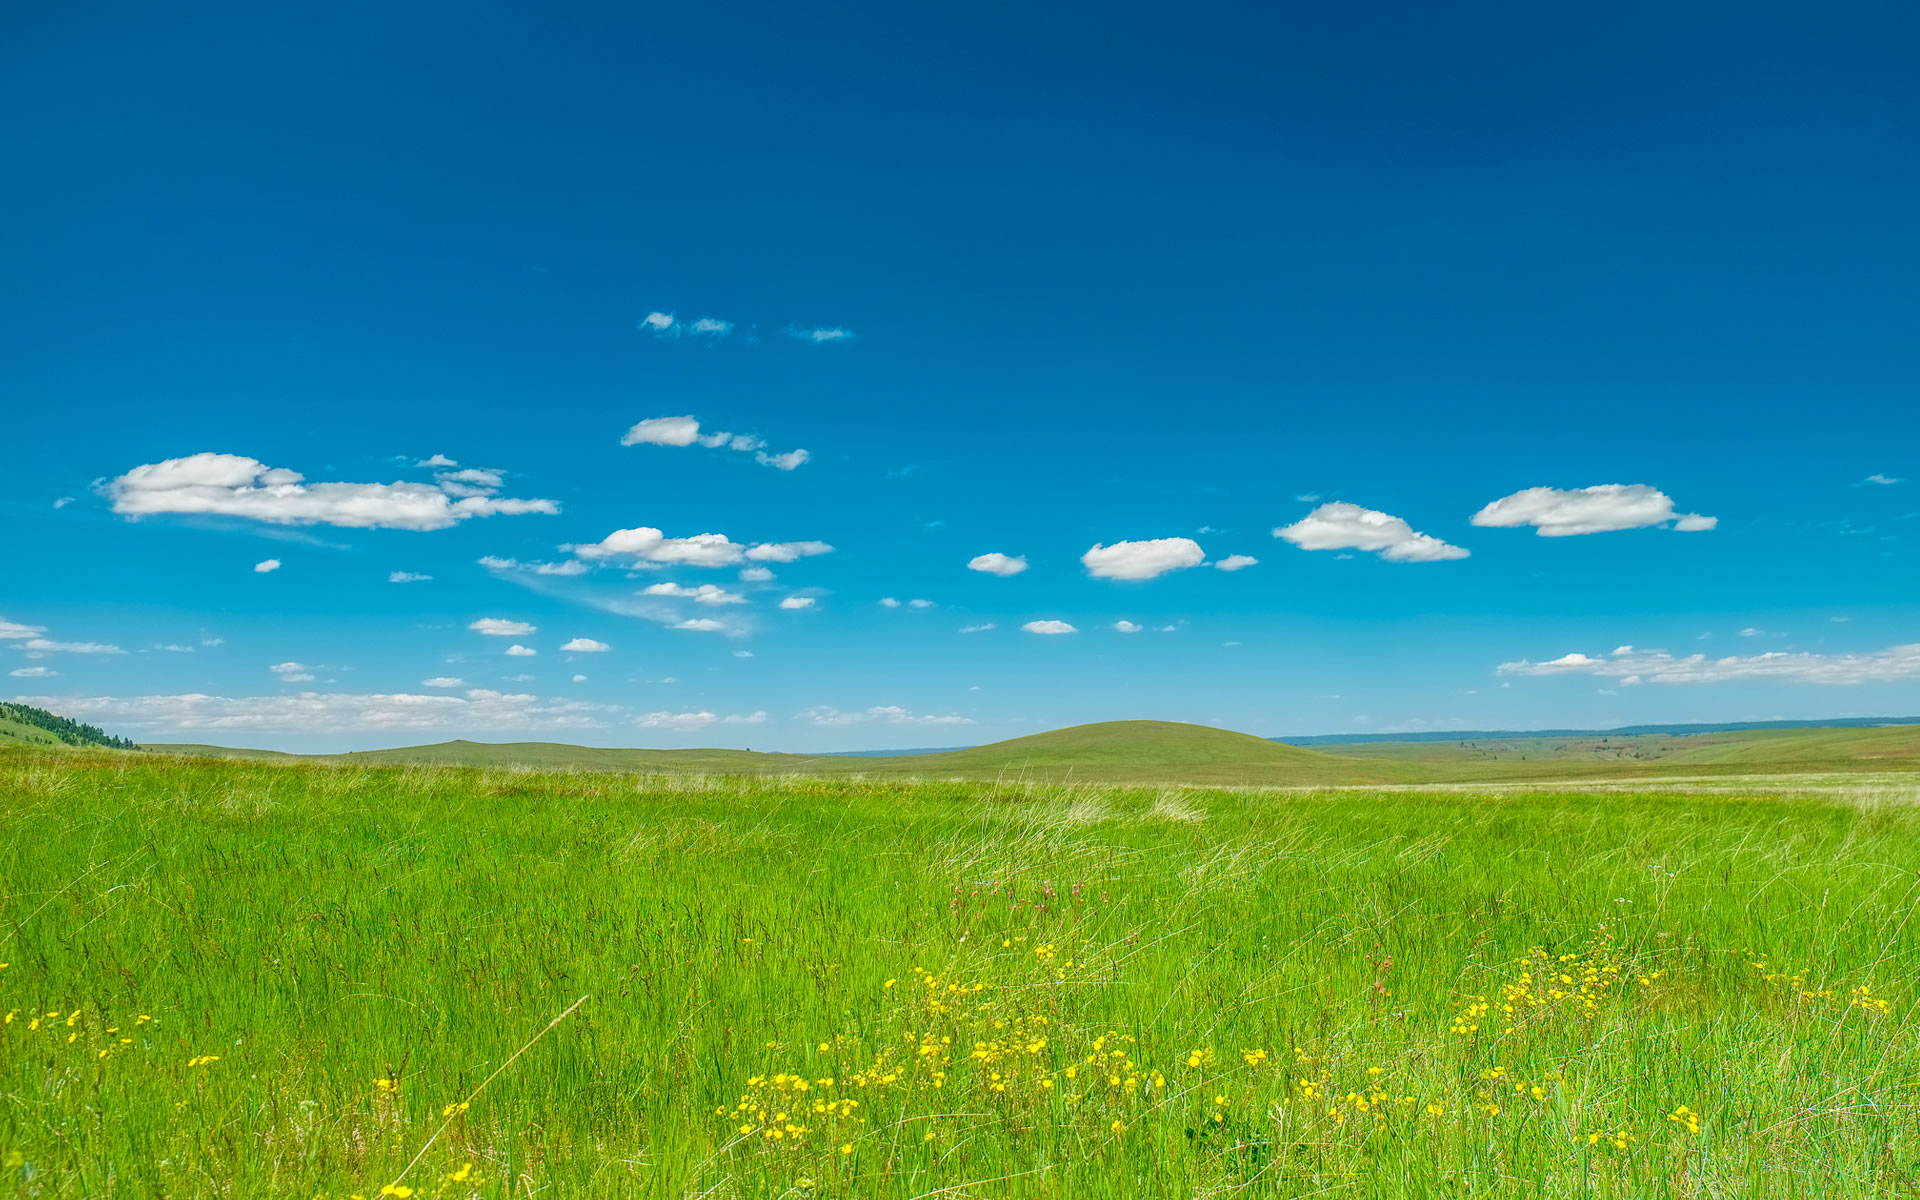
18	733
327	957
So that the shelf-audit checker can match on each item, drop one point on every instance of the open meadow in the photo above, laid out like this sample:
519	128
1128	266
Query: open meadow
248	979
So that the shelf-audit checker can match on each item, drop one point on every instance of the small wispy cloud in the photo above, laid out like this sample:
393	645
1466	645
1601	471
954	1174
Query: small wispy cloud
820	335
1879	480
407	577
265	566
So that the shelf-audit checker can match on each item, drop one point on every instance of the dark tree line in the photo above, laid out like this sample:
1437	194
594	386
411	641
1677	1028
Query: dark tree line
73	733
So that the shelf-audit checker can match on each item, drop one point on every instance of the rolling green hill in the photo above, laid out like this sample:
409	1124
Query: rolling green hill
1134	751
1147	752
18	733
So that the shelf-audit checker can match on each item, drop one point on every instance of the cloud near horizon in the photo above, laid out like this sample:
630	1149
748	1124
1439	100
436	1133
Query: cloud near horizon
1634	666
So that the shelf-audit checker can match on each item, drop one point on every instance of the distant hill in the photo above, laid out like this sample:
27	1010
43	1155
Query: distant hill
1137	751
1482	735
23	723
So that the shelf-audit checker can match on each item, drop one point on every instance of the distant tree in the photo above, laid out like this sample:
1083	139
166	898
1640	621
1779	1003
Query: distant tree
73	733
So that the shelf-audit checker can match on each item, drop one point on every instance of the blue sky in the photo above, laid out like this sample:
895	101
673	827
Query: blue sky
1020	280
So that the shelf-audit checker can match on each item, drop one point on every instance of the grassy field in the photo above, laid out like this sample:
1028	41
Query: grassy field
232	978
1165	752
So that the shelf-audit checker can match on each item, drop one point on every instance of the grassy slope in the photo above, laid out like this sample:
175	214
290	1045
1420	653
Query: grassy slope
1893	748
15	733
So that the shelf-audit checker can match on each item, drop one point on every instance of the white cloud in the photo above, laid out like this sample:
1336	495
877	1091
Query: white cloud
755	575
32	672
474	481
691	722
266	565
311	712
997	563
518	651
1343	526
1048	627
1126	627
1236	562
797	602
173	647
501	627
784	552
701	625
436	460
889	602
710	327
1557	512
822	336
572	566
407	577
1749	631
686	431
579	678
13	629
583	645
522	678
443	681
706	593
663	431
63	501
657	322
292	672
1879	479
1142	560
36	647
978	628
645	544
1891	665
234	486
783	462
1695	523
213	641
882	714
919	604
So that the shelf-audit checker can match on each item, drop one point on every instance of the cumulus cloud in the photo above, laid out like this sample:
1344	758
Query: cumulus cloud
473	481
1142	560
882	714
407	577
436	460
657	322
783	552
889	602
584	645
1556	512
1048	627
33	672
997	563
1632	666
265	565
755	575
292	672
782	462
443	681
686	431
233	486
1236	562
820	336
1343	526
701	625
313	712
502	627
797	602
706	593
1126	627
644	544
518	651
